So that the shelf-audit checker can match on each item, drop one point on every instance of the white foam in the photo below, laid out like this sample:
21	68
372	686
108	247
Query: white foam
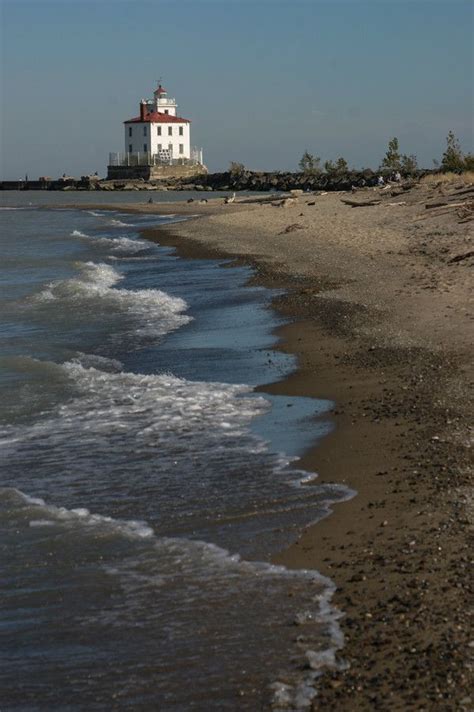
307	478
78	233
151	405
41	513
125	414
51	515
154	312
119	223
124	245
102	363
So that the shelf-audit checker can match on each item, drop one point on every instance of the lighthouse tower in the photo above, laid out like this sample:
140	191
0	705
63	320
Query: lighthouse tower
158	130
156	138
162	103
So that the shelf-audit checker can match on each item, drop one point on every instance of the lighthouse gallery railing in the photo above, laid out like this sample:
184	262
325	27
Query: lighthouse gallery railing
164	158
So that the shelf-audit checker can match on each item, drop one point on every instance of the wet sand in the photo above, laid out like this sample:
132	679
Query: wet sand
381	325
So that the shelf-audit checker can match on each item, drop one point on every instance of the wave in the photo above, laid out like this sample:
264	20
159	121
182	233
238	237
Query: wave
78	233
169	434
123	245
161	561
29	207
152	311
47	515
165	440
101	363
118	223
151	412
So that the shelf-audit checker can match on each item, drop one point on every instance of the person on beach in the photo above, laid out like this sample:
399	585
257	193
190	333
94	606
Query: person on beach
380	181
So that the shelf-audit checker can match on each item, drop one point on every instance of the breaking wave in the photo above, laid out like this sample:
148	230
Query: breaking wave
121	245
153	311
118	223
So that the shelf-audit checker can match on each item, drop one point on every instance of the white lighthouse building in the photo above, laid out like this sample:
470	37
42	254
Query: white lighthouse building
155	139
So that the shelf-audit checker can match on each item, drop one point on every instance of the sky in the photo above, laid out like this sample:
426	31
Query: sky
261	80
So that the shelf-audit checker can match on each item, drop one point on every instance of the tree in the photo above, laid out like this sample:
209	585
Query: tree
391	159
409	164
309	163
452	160
340	166
236	169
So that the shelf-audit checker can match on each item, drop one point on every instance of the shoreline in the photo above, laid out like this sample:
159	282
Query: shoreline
397	551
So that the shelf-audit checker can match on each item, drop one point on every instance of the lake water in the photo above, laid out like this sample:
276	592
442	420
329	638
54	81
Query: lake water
144	485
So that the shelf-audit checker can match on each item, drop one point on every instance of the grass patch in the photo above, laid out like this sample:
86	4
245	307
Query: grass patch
446	178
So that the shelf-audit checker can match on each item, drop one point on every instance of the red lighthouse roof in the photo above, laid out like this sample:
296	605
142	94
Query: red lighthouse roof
155	117
160	90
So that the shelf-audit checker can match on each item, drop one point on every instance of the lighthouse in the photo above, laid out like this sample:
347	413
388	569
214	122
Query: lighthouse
157	142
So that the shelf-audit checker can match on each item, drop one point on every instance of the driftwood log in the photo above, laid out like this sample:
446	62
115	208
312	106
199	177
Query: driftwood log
464	191
445	208
438	204
460	258
360	203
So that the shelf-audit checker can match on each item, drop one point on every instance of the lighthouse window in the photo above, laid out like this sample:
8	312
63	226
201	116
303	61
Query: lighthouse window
144	130
166	111
160	147
181	148
145	147
129	130
130	148
158	130
170	130
181	131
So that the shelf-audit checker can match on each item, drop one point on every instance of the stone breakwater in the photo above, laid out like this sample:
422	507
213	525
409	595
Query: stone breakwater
230	180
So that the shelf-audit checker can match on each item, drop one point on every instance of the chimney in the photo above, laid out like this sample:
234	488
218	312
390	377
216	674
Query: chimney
143	110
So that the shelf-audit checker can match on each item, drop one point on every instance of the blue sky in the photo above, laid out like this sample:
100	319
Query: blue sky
261	80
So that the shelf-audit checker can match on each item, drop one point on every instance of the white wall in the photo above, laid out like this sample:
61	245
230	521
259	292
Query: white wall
175	139
138	138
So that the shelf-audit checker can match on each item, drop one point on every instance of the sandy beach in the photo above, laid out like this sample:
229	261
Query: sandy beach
377	299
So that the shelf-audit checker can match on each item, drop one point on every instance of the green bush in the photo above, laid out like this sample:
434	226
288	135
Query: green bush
409	164
309	164
392	159
453	159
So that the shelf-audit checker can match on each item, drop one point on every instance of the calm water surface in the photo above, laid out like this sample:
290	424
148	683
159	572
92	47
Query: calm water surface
144	485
